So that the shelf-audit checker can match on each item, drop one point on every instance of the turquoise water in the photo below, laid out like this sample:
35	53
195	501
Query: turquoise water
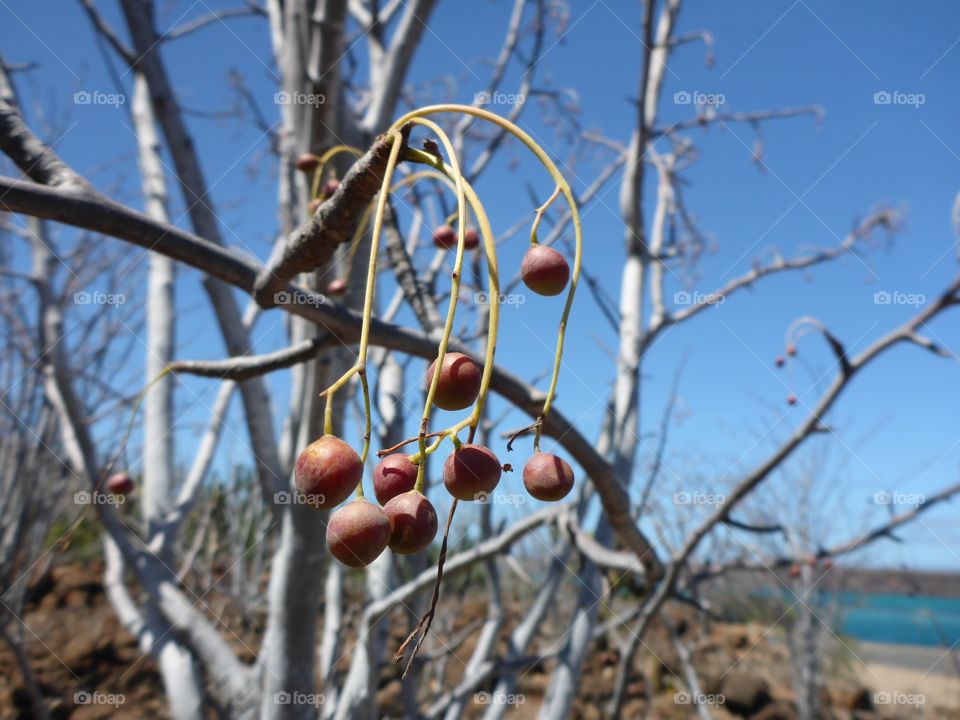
900	619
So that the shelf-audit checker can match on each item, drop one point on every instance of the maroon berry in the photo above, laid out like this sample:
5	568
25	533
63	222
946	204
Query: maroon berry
472	471
413	522
794	571
330	187
337	287
791	399
357	533
544	270
459	382
792	350
393	476
471	239
307	163
445	237
547	477
120	483
327	471
780	362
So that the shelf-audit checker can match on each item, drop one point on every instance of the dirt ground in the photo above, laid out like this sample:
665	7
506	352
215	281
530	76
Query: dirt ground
88	667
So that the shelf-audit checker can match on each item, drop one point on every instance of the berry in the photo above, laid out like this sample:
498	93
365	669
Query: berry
120	483
544	270
327	471
547	477
307	163
780	362
337	287
413	522
794	571
827	563
393	476
471	471
792	350
791	399
330	187
459	382
357	533
471	240
445	237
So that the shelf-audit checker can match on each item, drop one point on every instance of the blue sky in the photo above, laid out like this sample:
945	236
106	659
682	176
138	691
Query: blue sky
897	422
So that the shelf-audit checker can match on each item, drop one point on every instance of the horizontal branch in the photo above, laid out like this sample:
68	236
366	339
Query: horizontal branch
247	366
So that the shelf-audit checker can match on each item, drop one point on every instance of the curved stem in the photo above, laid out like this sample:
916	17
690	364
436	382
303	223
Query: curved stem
564	187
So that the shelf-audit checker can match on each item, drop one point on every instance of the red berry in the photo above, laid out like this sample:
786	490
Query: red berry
791	399
794	571
120	483
547	477
327	471
544	270
413	522
307	163
780	362
471	239
472	471
393	476
792	350
330	187
827	563
357	533
445	237
459	382
337	287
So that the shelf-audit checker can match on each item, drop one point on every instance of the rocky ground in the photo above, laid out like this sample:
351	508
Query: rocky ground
89	667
